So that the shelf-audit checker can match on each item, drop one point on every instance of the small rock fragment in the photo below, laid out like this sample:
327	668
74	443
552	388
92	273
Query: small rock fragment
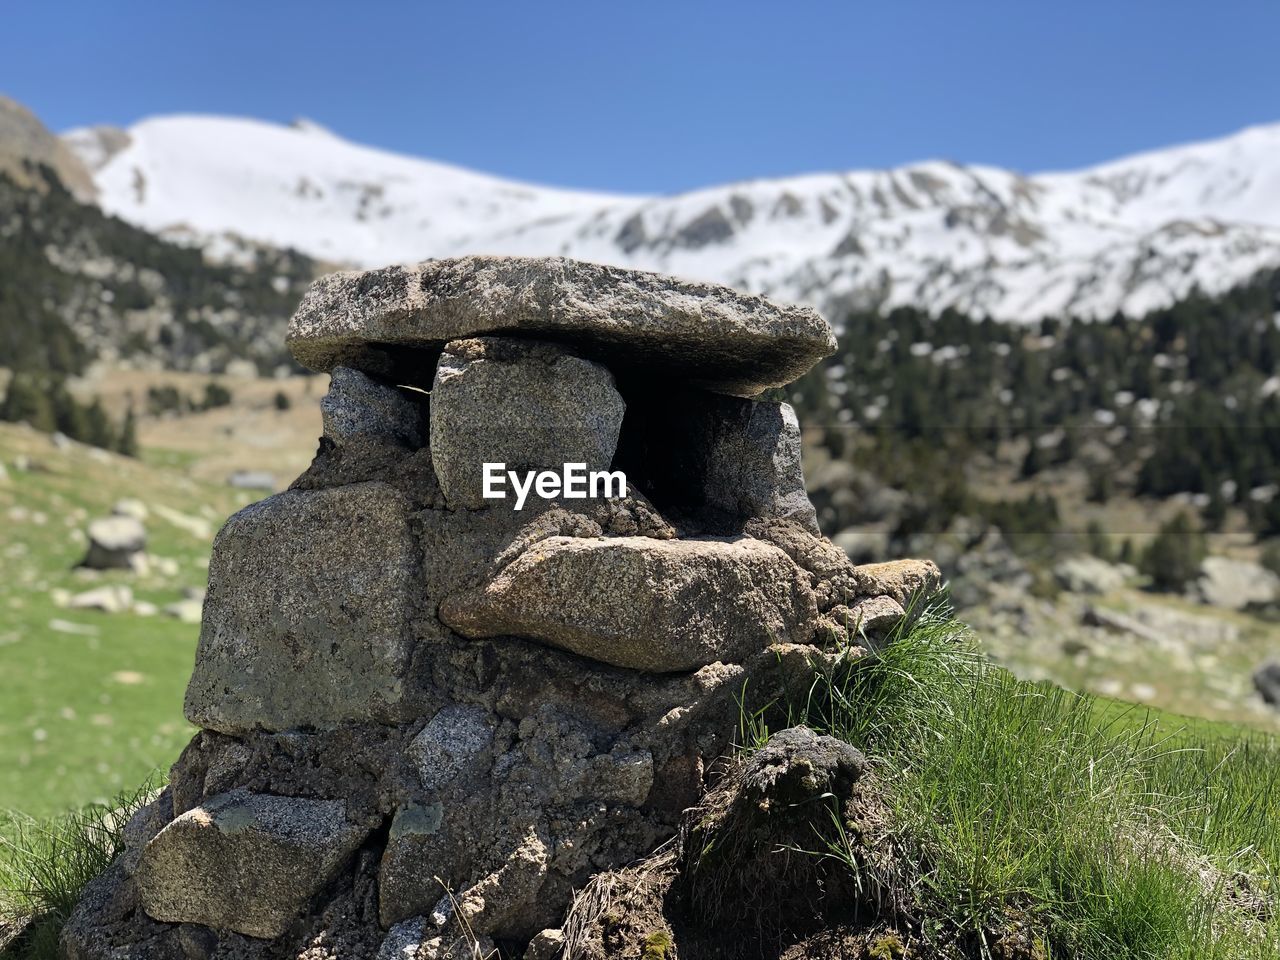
403	940
358	406
903	580
545	945
450	738
876	617
146	822
109	599
418	862
197	942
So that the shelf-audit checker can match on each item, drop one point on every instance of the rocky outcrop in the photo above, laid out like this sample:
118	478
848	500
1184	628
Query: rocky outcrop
1236	584
26	145
426	716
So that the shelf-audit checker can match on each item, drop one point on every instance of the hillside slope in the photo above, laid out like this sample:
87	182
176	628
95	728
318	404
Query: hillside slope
1131	235
77	285
25	144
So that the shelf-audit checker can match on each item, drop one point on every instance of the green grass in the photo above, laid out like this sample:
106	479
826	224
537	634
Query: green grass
1102	832
45	865
84	716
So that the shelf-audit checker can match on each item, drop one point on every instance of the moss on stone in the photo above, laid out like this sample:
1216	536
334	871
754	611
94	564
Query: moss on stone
656	945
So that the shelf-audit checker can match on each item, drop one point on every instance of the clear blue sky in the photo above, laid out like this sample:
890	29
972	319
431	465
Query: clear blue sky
657	96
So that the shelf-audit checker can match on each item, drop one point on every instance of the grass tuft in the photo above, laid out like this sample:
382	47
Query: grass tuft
1024	807
46	864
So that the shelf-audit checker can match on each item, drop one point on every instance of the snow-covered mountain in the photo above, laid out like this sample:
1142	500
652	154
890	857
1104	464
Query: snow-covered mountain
1130	235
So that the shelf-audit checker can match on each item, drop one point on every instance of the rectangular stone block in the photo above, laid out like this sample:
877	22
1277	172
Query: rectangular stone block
306	622
522	403
245	862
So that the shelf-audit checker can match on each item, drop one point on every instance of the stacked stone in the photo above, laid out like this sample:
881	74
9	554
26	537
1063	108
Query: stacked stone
428	717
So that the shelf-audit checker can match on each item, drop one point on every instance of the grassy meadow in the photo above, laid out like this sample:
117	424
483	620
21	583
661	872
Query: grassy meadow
91	702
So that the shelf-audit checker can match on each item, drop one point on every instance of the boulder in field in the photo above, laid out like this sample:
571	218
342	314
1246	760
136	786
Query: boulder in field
252	480
187	610
1266	680
1236	584
108	599
116	543
1087	574
130	507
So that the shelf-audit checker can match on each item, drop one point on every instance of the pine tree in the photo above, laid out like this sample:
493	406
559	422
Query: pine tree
1127	553
215	395
1214	513
26	402
1173	558
1101	485
69	416
127	443
97	426
1035	460
1097	542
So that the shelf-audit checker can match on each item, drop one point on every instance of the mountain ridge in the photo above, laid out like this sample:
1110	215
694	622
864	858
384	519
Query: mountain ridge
1131	235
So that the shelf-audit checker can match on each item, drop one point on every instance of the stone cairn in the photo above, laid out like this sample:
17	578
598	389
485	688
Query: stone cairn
426	717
